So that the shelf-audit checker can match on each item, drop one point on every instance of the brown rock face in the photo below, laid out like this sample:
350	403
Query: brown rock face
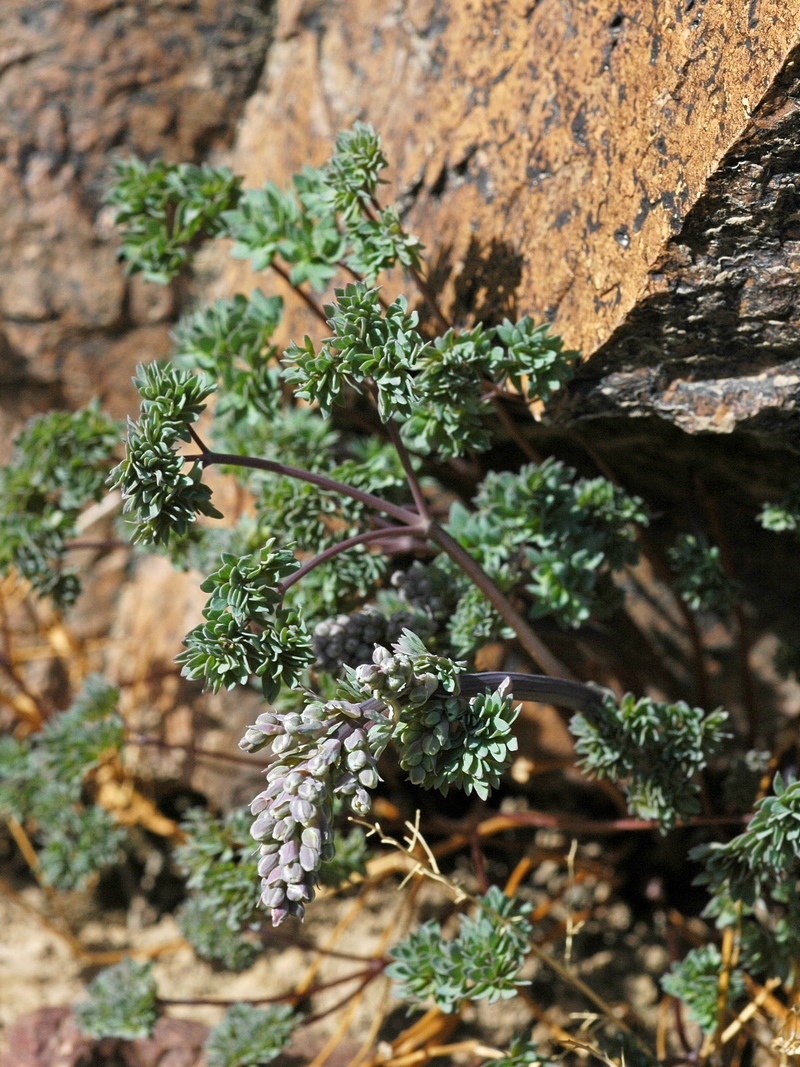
81	80
627	171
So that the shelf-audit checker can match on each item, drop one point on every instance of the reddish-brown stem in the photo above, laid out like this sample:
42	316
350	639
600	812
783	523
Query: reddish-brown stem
269	933
424	289
386	532
513	431
429	298
308	1019
192	750
98	545
535	648
742	629
280	998
478	863
575	824
198	440
306	297
403	515
411	477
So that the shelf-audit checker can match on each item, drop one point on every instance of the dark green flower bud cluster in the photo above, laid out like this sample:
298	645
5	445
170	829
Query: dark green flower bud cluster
164	210
700	577
656	749
164	498
326	750
482	962
426	588
60	465
247	631
349	640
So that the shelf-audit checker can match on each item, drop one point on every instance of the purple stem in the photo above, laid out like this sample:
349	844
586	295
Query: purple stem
343	546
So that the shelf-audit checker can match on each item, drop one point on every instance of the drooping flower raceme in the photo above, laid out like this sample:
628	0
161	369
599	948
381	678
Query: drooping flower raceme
329	749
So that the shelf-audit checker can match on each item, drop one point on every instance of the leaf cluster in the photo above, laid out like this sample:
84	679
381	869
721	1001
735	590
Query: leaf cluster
767	850
59	466
249	1037
655	749
549	533
695	982
482	962
42	781
216	859
163	210
701	580
156	488
230	343
121	1002
247	630
783	517
443	741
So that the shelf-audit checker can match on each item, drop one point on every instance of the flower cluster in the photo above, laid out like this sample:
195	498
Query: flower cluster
349	640
328	749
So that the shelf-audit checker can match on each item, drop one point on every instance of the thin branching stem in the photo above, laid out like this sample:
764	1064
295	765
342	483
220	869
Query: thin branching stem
225	459
536	649
384	533
370	972
309	300
141	741
410	473
372	210
749	698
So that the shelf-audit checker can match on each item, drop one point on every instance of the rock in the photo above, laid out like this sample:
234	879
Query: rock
48	1037
175	1043
81	81
627	174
